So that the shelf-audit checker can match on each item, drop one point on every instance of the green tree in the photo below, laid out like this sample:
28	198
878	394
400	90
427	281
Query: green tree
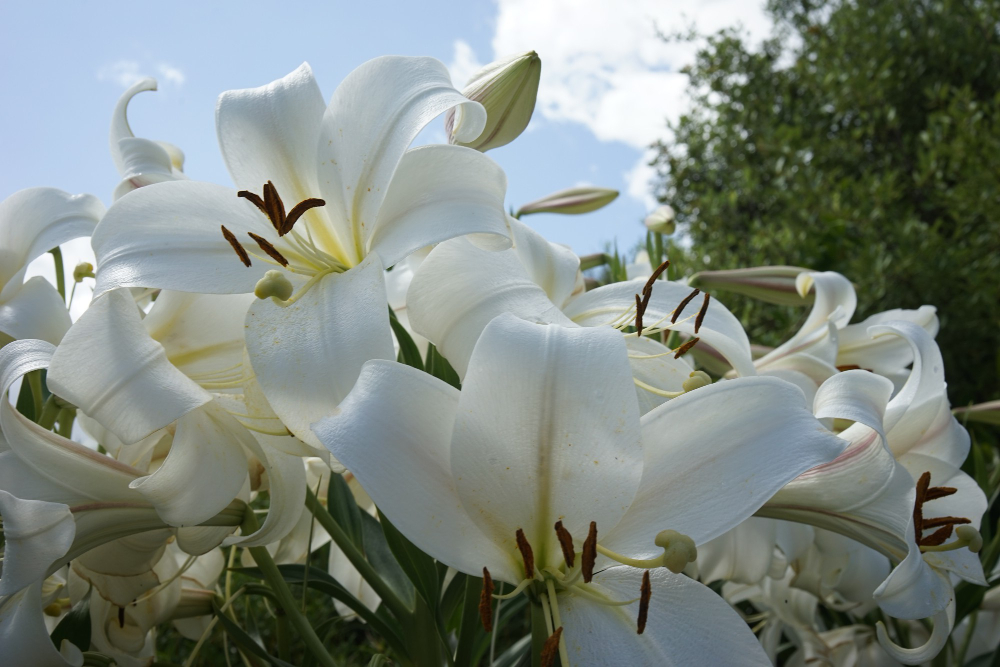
862	137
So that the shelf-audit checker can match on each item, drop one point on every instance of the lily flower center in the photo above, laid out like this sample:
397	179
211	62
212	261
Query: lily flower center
291	250
573	577
967	536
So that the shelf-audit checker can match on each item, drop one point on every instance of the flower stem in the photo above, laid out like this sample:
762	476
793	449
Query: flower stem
284	595
60	271
358	560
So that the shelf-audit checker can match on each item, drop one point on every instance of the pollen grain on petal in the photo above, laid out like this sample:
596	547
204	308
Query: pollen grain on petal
240	251
589	555
565	543
526	554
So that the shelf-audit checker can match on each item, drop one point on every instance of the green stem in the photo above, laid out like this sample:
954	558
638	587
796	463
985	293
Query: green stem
60	272
284	594
66	417
539	633
358	560
284	636
49	413
964	648
35	382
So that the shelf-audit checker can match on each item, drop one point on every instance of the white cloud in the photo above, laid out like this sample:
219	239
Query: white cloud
463	64
604	66
638	180
125	72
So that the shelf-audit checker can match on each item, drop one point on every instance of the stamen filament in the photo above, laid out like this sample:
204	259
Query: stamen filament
600	599
659	392
554	602
514	593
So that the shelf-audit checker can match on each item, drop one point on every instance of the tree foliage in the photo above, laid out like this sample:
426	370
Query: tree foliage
862	137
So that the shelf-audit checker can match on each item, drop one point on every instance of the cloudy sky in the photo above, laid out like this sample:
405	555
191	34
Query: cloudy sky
608	82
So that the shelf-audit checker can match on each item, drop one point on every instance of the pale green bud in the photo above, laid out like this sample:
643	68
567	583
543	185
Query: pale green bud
83	270
988	413
571	201
773	284
274	283
661	220
697	380
678	550
506	88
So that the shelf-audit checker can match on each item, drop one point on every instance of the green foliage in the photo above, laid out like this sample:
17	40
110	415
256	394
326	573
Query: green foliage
864	138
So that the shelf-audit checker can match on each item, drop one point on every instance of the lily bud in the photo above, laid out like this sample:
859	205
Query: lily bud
274	283
773	284
570	202
507	89
661	220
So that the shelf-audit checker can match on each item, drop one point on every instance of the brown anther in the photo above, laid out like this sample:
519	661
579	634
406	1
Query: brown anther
121	617
918	506
266	246
645	592
682	350
566	543
550	649
589	556
944	521
656	274
526	554
486	601
682	304
639	309
937	537
936	492
701	313
240	250
272	206
849	367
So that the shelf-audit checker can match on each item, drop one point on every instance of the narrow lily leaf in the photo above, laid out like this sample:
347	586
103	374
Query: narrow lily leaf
381	557
439	367
75	626
409	353
245	641
417	565
344	509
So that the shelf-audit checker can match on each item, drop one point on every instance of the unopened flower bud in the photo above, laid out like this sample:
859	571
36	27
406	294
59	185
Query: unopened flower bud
274	283
773	284
661	220
83	270
571	201
678	550
506	88
697	380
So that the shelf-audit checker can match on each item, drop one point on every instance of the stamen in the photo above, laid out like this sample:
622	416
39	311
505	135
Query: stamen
849	367
680	307
639	310
526	554
918	506
566	543
645	592
269	249
589	555
656	274
937	537
257	201
486	601
701	313
943	521
297	211
936	492
275	207
240	250
551	648
967	536
685	347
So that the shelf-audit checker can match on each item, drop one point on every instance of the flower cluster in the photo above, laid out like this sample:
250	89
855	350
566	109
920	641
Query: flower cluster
358	350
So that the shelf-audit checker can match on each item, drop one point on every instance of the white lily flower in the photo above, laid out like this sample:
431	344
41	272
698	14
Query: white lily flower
321	261
110	367
544	446
23	634
32	222
140	162
459	288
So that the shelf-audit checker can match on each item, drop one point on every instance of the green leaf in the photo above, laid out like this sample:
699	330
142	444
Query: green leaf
382	559
379	661
471	628
409	353
344	509
417	565
439	367
75	626
245	641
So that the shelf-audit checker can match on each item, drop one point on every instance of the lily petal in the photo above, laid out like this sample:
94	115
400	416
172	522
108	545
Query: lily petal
392	457
109	367
307	355
551	266
680	613
526	453
36	310
36	534
438	193
373	117
459	288
755	430
23	634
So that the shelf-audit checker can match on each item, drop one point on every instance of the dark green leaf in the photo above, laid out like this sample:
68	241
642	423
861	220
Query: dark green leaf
439	367
409	353
75	626
245	641
417	565
344	509
381	557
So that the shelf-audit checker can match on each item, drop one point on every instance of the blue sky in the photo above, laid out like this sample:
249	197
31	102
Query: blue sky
608	84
